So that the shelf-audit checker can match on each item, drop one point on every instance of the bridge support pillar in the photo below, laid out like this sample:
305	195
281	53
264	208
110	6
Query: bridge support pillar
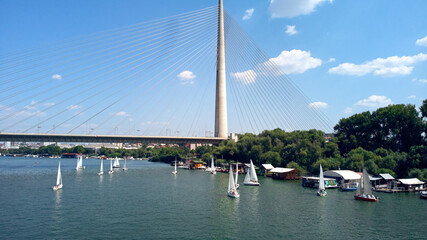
221	128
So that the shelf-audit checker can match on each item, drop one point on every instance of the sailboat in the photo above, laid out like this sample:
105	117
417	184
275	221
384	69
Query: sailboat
101	169
111	167
232	192
174	171
124	166
251	178
116	163
321	192
364	191
58	179
79	162
237	175
213	171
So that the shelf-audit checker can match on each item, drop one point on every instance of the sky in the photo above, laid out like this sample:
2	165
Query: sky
346	56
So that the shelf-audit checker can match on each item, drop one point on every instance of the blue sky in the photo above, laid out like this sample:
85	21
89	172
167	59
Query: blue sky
347	56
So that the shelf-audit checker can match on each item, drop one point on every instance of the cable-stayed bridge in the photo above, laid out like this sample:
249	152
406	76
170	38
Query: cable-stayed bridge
162	80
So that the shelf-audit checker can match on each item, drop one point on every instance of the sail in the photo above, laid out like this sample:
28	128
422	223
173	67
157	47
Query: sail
213	166
79	162
359	188
231	186
321	179
247	177
237	171
367	188
253	175
101	169
126	167
175	165
111	165
59	176
116	162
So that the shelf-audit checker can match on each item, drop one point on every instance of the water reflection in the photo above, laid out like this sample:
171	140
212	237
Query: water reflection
58	196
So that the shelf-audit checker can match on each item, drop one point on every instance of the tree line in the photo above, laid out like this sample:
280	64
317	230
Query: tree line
391	140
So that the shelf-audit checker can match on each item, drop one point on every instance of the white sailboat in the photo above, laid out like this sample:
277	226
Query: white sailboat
58	179
364	190
232	192
213	171
251	178
124	166
116	163
79	162
174	171
101	168
321	192
237	175
111	167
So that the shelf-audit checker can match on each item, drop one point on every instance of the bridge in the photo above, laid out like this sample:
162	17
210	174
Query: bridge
121	79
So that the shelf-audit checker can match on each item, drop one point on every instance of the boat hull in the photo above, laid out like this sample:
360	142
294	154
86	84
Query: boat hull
321	194
110	172
100	173
233	195
365	199
57	187
251	183
348	189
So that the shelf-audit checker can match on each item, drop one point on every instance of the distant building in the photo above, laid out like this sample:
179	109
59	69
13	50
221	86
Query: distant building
285	173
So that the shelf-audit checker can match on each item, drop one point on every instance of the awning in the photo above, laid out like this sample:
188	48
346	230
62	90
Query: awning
282	170
410	181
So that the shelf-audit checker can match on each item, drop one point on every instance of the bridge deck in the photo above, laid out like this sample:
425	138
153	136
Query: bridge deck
81	138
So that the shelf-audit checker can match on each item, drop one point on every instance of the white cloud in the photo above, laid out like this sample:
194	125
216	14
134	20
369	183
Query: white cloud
412	96
31	105
419	80
391	66
331	60
49	104
186	77
246	77
348	110
121	114
422	42
74	107
295	61
375	101
56	77
292	8
290	30
248	14
318	105
5	108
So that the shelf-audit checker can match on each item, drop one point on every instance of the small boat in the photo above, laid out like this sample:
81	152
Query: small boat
251	178
58	179
116	163
174	171
101	168
125	167
364	191
423	194
237	175
213	171
232	192
111	167
322	191
79	162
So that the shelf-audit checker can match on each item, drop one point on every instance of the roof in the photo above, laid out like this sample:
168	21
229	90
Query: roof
374	178
386	176
282	170
346	174
267	166
410	181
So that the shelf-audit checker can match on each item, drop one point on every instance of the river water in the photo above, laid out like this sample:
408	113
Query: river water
148	202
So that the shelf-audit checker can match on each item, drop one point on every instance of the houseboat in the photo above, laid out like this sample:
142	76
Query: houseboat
348	180
313	182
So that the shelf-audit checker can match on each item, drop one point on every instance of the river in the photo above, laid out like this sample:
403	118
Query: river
148	202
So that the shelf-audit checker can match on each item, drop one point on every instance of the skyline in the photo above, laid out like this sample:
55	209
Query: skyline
348	57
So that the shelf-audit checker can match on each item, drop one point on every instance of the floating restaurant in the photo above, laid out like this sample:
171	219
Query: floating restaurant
313	182
347	180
